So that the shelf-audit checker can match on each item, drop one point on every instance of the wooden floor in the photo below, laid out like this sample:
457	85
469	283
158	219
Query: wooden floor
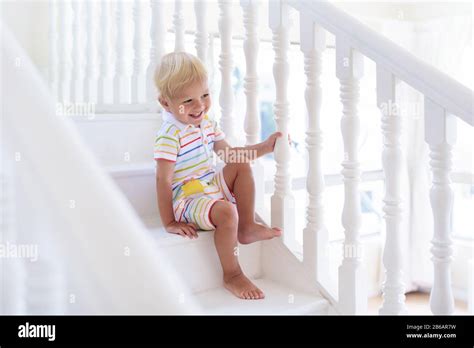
417	304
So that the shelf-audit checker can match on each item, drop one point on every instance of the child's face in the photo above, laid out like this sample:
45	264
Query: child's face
191	105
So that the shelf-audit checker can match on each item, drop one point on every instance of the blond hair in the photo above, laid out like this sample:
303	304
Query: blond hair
176	71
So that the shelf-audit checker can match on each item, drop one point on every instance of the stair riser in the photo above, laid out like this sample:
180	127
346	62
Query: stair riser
140	189
119	139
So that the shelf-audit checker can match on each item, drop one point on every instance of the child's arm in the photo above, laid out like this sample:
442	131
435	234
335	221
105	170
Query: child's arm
164	176
250	152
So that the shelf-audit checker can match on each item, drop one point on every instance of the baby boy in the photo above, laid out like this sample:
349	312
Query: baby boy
192	195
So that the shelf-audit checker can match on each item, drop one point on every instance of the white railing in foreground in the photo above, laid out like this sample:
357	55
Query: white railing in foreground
445	99
100	235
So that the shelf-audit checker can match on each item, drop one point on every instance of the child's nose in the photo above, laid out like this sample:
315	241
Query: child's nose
199	104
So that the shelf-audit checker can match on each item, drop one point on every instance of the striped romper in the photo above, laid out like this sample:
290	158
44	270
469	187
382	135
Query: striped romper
191	148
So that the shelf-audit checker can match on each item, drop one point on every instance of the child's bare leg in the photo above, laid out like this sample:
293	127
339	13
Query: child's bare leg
224	217
239	179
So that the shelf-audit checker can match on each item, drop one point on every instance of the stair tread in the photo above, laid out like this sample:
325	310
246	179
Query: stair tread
278	300
164	238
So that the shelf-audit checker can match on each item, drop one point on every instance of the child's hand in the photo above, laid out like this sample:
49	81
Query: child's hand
269	144
183	229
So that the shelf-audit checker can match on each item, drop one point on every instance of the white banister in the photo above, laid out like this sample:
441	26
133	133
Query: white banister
445	99
226	65
201	39
178	26
252	127
157	48
105	67
77	53
138	75
352	285
315	235
90	78
121	79
282	201
251	46
53	47
440	134
447	92
392	159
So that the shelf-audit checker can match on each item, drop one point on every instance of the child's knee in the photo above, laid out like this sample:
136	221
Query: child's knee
241	167
224	213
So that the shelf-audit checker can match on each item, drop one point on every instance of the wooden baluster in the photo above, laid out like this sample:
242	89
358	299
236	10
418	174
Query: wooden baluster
226	65
211	65
138	77
251	46
392	159
352	282
315	235
64	48
201	39
121	80
440	134
105	69
53	48
282	201
77	53
90	80
178	25
252	115
157	49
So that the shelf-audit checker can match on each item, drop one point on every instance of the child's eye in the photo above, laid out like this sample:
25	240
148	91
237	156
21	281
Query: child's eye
187	101
205	95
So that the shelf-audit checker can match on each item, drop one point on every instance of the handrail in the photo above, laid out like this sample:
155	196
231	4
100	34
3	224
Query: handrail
103	223
436	85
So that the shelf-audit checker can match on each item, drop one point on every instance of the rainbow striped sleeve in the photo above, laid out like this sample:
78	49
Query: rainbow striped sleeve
167	143
219	134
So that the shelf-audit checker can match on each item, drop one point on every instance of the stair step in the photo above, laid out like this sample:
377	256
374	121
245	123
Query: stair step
279	299
120	138
137	182
197	262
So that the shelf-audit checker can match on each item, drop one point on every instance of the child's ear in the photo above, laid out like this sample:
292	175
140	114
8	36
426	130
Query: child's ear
164	103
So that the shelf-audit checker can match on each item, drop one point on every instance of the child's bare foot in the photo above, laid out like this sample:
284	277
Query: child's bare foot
255	231
242	287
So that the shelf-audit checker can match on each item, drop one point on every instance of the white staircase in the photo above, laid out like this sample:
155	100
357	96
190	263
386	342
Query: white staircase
163	273
196	260
198	263
110	137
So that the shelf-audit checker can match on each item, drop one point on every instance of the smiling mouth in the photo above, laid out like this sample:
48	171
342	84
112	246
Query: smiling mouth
197	115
